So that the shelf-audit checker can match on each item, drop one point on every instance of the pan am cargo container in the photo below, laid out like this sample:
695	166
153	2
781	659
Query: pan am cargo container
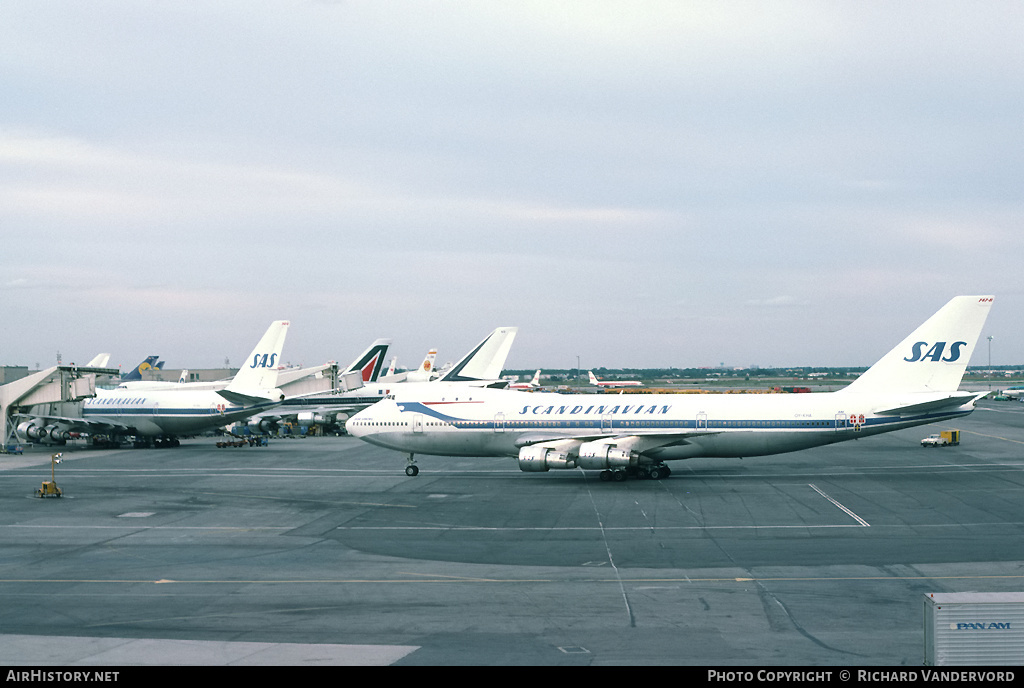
974	628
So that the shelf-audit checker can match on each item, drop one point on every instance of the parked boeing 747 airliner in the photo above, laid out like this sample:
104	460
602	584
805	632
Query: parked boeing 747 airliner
162	415
914	384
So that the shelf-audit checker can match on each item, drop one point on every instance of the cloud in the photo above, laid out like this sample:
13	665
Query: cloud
623	179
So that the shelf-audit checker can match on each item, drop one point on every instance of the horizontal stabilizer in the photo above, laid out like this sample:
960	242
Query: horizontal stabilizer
944	403
242	399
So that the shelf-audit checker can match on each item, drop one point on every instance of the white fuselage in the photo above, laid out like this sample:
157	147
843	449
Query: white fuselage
484	422
167	412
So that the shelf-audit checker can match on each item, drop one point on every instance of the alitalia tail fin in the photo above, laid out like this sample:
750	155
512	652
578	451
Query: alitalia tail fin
935	355
371	361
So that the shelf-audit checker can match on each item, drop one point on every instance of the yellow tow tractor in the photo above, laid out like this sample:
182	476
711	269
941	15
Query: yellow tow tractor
49	488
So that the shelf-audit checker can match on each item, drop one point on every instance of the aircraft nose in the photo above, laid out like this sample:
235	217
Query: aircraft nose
356	425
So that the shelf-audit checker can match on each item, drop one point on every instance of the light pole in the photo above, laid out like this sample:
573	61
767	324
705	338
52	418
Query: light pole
990	363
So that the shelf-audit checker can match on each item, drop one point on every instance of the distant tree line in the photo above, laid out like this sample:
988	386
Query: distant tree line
647	374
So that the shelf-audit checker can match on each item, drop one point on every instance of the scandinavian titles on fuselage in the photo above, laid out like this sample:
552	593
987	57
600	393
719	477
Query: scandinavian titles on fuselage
543	410
118	401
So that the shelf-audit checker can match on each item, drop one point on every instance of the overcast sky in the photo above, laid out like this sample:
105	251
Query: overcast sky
637	184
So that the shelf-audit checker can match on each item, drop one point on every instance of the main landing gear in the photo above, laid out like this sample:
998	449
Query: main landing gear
412	469
656	472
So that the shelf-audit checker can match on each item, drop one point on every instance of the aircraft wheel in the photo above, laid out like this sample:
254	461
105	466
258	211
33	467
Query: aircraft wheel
656	473
618	476
606	476
412	470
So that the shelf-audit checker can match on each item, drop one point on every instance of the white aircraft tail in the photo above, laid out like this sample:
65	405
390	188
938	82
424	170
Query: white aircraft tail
593	378
935	355
427	367
371	361
100	361
486	360
258	375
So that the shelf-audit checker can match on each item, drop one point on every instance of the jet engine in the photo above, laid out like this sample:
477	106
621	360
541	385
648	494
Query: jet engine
313	418
31	430
57	433
540	458
262	424
604	456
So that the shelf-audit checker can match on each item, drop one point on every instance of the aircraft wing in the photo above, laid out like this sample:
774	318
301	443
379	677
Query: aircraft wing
638	443
279	414
72	424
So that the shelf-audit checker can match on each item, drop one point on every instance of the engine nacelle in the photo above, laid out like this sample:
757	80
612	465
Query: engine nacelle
29	431
603	456
535	459
57	434
262	424
313	418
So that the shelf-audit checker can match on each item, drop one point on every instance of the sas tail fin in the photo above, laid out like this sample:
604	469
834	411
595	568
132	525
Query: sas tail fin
371	361
935	355
486	360
258	375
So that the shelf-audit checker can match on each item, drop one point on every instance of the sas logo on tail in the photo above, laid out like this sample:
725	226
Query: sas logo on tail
264	361
935	353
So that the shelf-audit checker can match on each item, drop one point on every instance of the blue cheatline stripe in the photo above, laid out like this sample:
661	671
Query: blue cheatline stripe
680	424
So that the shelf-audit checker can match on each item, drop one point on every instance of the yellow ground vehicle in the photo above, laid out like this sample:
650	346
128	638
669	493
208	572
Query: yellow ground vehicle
946	438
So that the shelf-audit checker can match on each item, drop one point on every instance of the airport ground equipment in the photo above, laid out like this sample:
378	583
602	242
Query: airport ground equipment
50	489
976	628
243	441
946	438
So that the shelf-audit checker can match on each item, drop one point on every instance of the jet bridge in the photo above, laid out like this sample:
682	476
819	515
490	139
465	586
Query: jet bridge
59	384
